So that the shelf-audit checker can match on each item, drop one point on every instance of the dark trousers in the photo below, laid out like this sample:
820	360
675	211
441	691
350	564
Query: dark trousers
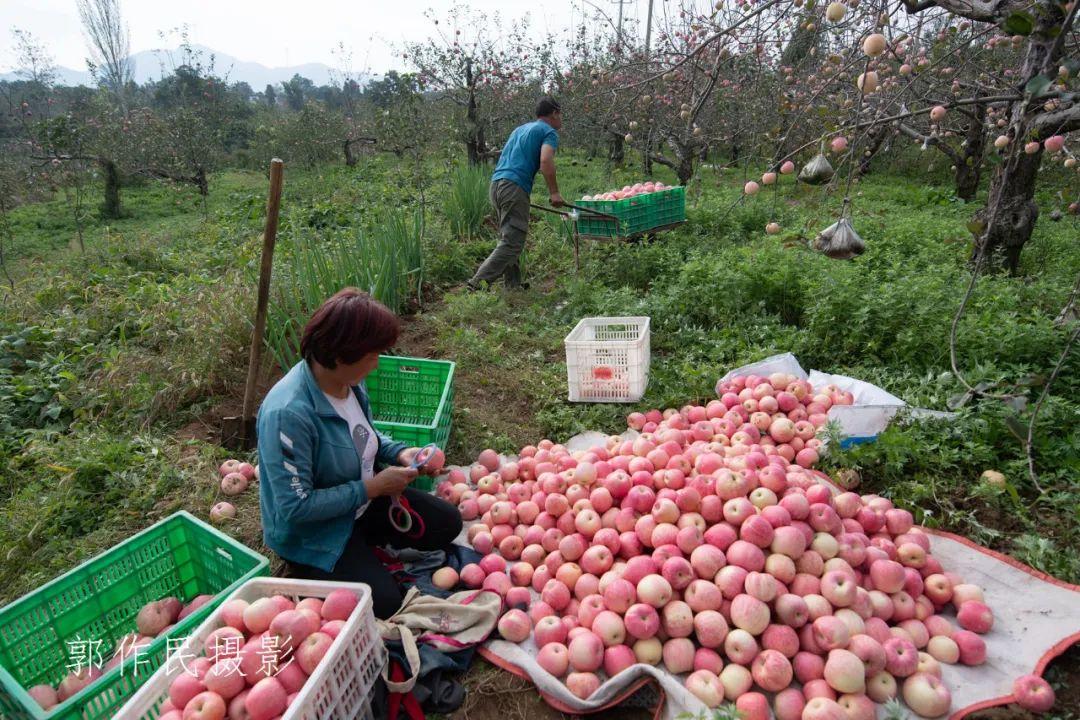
511	205
358	563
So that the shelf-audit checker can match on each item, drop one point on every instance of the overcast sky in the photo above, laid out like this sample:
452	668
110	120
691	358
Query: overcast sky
273	32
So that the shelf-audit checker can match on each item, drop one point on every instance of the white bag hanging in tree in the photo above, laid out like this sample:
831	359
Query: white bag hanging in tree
840	241
818	171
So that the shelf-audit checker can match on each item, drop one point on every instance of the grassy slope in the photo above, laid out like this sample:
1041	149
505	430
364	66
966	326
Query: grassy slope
145	335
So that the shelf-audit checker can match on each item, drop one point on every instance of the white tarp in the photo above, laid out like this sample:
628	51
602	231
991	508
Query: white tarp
1035	619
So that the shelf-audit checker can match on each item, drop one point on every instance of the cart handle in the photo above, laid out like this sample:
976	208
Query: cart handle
574	207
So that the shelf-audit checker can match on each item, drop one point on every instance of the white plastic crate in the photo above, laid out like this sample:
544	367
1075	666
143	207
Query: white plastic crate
607	359
339	689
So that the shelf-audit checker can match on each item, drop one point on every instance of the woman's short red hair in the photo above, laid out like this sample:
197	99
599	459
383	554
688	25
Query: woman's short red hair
348	326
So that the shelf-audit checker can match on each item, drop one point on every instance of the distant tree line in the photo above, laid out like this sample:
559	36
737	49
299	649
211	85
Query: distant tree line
984	88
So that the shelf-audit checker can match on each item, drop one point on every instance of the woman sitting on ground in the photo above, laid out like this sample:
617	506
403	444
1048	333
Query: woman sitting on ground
327	476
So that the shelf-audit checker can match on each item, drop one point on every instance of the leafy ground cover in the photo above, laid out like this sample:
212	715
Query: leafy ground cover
116	363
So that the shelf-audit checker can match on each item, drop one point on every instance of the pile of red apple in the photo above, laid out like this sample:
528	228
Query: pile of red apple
641	188
710	544
256	663
154	619
235	478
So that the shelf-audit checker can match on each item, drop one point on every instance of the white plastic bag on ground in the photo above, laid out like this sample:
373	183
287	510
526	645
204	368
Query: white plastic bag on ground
785	363
874	407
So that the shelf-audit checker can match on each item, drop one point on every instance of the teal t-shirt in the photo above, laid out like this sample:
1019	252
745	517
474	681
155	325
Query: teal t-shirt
520	157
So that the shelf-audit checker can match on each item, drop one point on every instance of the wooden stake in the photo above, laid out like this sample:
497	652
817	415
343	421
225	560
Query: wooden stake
577	250
240	432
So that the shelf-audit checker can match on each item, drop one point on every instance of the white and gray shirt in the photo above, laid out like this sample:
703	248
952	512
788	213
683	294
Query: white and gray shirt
363	436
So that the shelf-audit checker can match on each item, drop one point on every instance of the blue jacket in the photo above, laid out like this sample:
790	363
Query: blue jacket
309	470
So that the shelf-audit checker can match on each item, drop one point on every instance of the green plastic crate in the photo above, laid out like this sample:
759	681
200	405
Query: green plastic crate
637	214
98	600
412	400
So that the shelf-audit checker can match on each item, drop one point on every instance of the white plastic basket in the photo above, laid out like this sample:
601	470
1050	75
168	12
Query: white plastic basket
339	689
607	359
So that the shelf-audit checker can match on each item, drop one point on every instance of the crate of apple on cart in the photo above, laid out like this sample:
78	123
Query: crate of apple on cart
635	210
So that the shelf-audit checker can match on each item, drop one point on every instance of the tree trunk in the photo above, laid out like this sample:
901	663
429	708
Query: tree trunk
350	144
79	222
202	182
685	170
474	130
616	148
969	169
1010	213
646	153
474	147
967	180
3	266
111	208
5	236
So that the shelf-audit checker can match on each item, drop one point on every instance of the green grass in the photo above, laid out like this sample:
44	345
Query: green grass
385	261
110	360
466	204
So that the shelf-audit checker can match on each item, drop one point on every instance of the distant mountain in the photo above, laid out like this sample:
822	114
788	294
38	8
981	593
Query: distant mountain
148	66
64	76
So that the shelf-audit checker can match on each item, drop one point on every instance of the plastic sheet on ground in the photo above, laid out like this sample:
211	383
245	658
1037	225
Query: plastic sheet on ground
874	407
1036	618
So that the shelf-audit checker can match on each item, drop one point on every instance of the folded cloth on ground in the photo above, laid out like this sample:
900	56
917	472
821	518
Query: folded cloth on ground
420	565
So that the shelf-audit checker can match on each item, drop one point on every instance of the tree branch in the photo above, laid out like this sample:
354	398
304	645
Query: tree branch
902	116
167	175
663	161
913	8
1029	443
981	10
1058	122
1059	42
929	140
67	158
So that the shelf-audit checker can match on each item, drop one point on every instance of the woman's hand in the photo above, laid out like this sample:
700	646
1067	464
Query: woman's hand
391	481
406	457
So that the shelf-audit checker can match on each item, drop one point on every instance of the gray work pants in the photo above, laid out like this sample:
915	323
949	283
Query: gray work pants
511	205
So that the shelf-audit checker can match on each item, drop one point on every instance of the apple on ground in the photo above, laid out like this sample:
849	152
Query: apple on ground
1033	693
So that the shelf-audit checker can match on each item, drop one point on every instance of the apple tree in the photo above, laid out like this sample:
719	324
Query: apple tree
489	75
